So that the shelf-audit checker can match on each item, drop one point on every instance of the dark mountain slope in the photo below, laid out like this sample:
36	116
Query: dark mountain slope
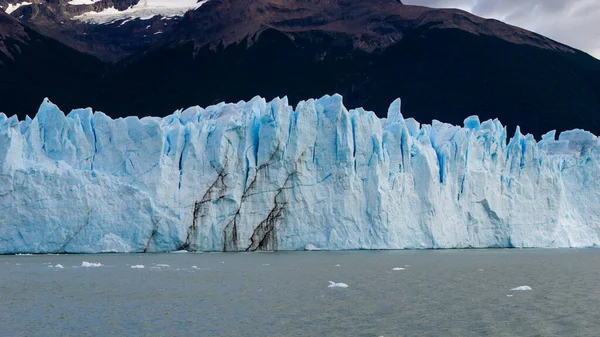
444	64
36	67
440	74
372	24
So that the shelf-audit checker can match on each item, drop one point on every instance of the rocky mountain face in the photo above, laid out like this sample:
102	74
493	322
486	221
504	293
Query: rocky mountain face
11	33
154	56
107	29
370	24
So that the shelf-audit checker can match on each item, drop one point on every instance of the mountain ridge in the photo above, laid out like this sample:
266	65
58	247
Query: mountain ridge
444	63
374	24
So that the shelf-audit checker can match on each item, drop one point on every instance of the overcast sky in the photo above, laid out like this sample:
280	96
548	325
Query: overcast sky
572	22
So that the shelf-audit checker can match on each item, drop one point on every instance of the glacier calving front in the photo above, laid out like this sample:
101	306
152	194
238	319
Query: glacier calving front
262	176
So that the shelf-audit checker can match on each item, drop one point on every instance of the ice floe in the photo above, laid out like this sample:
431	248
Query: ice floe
337	285
521	288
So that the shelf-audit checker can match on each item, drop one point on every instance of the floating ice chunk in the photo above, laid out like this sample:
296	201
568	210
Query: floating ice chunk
407	265
479	269
265	264
338	265
311	247
521	288
24	254
138	266
86	264
337	285
194	267
59	266
163	265
509	295
180	252
398	268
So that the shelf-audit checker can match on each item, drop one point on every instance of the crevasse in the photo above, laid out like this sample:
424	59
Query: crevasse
263	176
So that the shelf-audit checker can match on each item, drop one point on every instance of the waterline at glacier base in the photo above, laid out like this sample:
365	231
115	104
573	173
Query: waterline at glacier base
263	176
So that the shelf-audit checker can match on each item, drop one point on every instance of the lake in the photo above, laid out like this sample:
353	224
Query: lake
432	293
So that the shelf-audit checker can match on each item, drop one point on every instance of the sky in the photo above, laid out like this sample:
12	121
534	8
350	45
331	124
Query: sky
573	22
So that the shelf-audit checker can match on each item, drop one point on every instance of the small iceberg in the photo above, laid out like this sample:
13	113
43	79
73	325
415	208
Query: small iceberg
337	285
138	266
521	288
183	251
86	264
163	265
58	266
398	268
338	265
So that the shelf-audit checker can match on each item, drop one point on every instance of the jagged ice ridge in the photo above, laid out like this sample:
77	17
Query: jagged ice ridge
263	176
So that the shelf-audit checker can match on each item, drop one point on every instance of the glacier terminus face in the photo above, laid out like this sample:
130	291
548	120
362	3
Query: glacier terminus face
261	175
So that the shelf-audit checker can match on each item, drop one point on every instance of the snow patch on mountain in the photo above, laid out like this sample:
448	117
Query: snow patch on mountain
143	10
83	2
13	7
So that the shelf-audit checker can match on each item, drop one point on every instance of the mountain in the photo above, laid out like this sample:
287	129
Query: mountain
33	65
107	29
262	175
444	63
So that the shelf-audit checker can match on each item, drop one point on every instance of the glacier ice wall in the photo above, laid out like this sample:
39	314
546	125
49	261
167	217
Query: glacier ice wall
263	176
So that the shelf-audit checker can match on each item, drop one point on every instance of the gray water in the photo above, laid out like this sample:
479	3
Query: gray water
441	293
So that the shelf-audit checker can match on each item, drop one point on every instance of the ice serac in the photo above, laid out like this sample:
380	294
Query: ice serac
261	175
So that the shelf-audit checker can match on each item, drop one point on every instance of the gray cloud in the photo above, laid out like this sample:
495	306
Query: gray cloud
572	22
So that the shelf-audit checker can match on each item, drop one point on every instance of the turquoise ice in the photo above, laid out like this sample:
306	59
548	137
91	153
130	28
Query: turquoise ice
262	175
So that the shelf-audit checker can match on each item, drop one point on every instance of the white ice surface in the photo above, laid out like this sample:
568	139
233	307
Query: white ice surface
83	2
262	175
13	7
143	10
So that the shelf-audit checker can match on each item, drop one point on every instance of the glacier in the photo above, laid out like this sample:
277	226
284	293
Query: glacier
261	175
